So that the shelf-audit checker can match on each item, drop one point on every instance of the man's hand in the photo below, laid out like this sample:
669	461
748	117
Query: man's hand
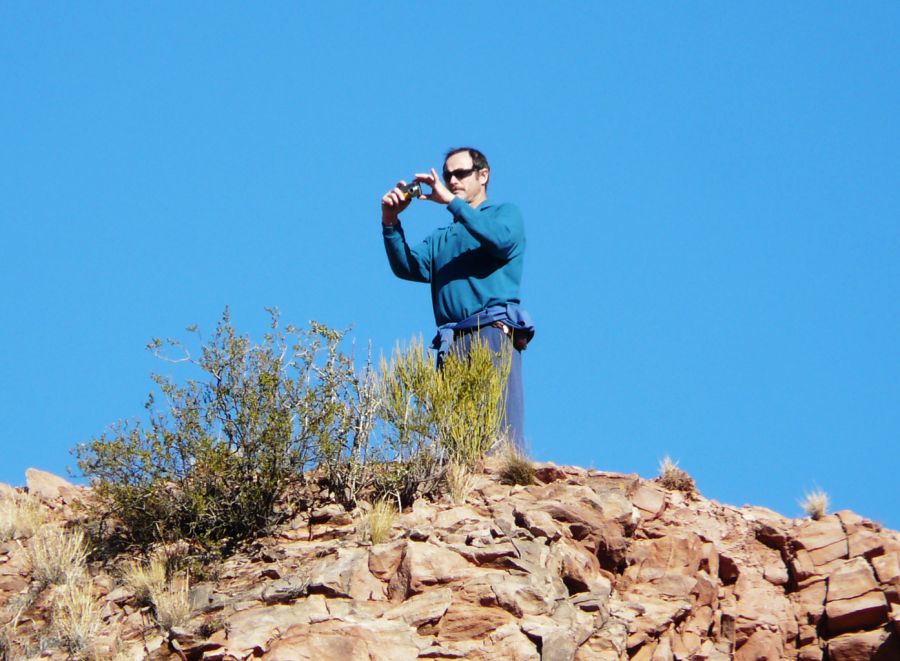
393	203
439	192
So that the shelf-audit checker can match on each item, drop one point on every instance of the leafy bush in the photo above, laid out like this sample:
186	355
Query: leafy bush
412	463
230	447
232	450
349	403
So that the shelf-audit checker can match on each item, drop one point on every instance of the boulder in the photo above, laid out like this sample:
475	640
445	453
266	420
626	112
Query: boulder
346	574
420	609
387	640
49	487
863	646
464	621
762	645
423	565
866	611
852	579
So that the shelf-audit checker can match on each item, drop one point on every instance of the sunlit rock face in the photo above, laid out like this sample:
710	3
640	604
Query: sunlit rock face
581	565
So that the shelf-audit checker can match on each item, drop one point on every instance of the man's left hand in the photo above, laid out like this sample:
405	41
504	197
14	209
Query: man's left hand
439	192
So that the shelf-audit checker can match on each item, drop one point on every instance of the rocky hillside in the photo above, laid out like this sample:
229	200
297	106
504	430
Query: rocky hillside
583	565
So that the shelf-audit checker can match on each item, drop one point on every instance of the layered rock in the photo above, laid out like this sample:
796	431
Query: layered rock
583	565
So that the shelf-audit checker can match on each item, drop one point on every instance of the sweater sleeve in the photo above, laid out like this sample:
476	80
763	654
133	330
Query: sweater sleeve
407	263
497	228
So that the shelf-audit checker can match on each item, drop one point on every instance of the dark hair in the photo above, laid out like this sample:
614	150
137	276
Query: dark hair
479	160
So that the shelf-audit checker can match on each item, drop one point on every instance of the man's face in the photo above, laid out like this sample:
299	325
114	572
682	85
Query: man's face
462	179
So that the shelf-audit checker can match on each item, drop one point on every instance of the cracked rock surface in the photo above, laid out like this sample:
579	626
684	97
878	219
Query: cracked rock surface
583	565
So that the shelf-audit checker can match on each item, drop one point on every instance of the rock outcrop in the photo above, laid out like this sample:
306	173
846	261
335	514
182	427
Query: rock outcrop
583	565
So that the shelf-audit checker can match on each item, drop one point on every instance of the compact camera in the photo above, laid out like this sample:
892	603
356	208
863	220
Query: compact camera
413	190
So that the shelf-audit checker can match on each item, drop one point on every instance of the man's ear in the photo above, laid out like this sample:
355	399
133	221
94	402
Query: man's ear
484	176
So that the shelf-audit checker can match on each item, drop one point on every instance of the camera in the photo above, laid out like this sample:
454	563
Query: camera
413	190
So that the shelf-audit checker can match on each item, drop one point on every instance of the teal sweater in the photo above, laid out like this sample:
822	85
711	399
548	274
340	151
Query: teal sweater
473	264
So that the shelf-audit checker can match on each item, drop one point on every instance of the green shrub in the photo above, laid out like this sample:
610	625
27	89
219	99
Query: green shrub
468	401
412	463
229	452
349	401
434	417
229	447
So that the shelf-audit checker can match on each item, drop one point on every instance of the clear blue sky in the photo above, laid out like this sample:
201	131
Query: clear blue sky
710	194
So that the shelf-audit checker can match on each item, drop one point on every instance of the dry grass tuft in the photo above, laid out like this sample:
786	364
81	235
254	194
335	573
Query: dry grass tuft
145	580
460	482
672	477
815	504
376	527
172	604
76	619
170	598
57	555
515	468
20	516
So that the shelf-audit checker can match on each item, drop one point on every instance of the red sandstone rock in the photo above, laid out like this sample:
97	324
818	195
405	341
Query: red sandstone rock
863	646
345	641
467	622
590	566
819	534
852	579
866	611
763	645
887	567
422	608
424	565
649	499
48	486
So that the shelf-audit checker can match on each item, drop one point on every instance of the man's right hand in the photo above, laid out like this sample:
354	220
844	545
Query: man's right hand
393	203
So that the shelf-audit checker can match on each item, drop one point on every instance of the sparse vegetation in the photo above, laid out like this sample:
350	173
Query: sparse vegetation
379	521
172	603
57	555
815	504
76	619
266	429
435	418
210	626
145	579
515	467
155	584
229	445
460	482
674	478
20	516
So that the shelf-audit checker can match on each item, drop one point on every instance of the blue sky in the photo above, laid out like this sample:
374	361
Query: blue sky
710	194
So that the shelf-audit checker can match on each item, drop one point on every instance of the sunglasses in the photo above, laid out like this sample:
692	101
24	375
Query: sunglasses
460	174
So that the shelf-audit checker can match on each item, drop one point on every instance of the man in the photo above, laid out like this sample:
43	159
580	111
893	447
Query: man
474	267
